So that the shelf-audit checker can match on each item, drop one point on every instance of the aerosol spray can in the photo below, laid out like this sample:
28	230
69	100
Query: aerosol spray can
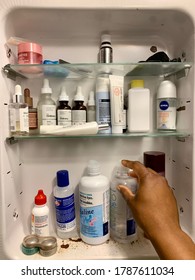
105	54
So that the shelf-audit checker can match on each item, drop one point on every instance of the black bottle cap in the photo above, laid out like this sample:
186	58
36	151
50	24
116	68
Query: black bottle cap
155	160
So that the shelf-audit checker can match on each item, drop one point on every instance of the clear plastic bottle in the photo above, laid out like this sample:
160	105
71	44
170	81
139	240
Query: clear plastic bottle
102	101
18	114
63	110
91	114
46	106
65	206
40	215
79	111
94	205
122	223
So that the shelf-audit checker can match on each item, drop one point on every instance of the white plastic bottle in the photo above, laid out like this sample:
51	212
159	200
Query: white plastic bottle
46	106
91	114
40	215
64	206
94	205
102	100
138	107
166	106
122	223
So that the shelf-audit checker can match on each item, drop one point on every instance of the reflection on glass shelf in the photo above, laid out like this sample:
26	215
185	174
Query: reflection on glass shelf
92	70
127	135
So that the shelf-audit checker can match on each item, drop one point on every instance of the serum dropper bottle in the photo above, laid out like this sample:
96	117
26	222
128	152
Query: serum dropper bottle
18	114
63	109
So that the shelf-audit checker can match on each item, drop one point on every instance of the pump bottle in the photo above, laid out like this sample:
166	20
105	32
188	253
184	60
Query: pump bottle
63	110
40	215
46	106
18	114
79	111
64	206
102	100
94	205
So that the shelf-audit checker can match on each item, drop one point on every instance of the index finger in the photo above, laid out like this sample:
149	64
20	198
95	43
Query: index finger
139	169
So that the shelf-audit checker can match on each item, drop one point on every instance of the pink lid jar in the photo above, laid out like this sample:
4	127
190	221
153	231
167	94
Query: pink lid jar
29	53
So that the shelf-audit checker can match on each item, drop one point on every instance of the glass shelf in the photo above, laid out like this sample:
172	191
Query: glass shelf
158	134
92	70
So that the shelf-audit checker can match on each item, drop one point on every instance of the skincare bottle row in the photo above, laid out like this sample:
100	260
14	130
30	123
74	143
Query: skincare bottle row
105	106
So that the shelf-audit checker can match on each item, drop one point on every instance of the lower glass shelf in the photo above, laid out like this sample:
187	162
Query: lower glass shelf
180	134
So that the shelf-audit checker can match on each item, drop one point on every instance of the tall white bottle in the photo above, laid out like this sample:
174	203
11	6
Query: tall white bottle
40	215
102	101
65	206
46	106
122	223
138	116
94	205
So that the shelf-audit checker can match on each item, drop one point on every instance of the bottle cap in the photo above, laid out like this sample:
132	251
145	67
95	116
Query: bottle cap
106	38
167	89
63	95
46	88
79	96
122	171
17	97
62	178
91	100
137	84
102	84
40	198
155	160
93	167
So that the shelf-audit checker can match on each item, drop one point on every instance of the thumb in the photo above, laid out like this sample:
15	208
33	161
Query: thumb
126	193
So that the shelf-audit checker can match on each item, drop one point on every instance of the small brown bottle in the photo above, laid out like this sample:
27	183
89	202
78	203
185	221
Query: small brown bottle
32	112
63	109
79	111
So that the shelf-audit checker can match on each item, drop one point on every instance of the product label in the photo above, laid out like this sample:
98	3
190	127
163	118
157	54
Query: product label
65	213
19	119
40	225
121	219
48	114
79	117
104	111
166	114
64	117
94	213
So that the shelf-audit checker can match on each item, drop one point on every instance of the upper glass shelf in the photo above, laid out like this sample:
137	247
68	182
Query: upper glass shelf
92	70
178	134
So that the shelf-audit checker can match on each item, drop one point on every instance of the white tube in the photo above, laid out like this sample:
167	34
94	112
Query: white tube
117	103
89	128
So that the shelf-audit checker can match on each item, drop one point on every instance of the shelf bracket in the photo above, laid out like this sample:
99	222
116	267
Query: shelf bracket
11	140
10	73
180	73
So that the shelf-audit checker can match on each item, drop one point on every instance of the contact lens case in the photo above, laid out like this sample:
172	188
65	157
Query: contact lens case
47	245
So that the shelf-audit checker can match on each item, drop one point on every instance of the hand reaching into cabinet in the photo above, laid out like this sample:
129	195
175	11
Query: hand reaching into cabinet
155	210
